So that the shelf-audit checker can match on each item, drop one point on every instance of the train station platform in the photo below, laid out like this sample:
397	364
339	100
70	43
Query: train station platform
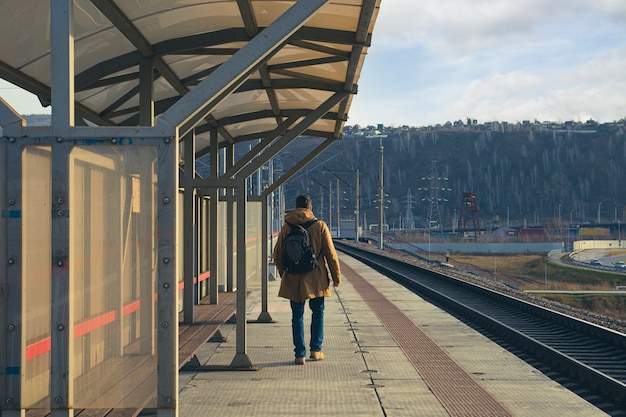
387	353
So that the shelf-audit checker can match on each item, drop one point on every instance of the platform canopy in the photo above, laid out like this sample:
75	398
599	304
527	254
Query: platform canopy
184	42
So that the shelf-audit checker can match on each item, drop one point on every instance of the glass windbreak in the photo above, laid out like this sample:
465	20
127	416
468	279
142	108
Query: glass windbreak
113	275
36	274
222	230
254	240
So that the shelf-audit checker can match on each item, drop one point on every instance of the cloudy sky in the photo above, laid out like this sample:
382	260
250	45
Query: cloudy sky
433	61
437	60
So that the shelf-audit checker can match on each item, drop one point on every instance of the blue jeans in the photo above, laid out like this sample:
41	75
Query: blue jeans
317	326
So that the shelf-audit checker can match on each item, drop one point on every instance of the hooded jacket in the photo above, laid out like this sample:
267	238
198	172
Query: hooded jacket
315	283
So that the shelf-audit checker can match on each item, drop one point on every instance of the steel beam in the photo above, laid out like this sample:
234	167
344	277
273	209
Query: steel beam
214	183
146	93
213	286
62	64
8	116
198	103
167	280
260	147
62	294
83	132
290	136
297	167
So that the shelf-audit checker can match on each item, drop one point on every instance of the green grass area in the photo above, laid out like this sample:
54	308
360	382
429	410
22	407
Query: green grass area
533	272
608	305
529	272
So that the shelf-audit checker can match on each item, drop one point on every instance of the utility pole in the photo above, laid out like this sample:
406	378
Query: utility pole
330	206
321	201
356	209
433	199
338	211
409	222
380	196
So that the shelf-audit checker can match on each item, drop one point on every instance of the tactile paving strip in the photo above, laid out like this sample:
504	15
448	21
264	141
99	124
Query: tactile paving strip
457	391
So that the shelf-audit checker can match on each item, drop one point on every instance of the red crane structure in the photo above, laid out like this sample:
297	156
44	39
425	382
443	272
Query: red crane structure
469	206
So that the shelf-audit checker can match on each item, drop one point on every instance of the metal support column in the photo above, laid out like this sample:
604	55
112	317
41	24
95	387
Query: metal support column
356	208
62	316
381	197
264	316
199	246
213	193
3	267
230	226
241	359
338	210
167	280
62	319
189	227
62	64
13	330
270	196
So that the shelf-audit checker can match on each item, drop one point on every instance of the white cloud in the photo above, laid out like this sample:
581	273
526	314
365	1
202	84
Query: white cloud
433	61
614	9
459	25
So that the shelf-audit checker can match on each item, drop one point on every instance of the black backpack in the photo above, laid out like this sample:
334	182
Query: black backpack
298	256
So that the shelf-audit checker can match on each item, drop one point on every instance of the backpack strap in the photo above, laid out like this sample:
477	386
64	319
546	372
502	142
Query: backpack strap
309	223
306	226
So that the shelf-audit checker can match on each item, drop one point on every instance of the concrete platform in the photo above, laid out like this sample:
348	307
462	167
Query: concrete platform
366	372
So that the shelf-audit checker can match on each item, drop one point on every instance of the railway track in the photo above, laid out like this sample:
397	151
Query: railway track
592	356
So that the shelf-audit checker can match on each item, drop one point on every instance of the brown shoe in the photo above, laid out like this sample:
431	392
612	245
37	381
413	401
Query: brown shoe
317	356
299	361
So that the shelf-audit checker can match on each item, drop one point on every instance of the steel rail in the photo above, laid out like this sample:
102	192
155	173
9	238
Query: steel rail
591	355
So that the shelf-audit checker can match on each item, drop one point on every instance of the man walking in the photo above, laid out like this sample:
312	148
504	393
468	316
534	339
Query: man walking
312	285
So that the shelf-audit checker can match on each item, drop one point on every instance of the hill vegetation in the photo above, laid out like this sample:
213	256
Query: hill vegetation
532	174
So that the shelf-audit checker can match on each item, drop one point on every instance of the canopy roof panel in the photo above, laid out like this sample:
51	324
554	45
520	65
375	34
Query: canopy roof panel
187	40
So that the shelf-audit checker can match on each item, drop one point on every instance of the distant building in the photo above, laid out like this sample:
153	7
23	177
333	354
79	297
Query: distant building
533	235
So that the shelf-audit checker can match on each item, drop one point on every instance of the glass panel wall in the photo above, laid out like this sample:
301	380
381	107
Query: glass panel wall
36	273
254	241
113	275
221	267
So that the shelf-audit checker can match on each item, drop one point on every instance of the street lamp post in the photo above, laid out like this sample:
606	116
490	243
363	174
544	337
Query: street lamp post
356	211
334	187
338	211
380	196
559	224
330	206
